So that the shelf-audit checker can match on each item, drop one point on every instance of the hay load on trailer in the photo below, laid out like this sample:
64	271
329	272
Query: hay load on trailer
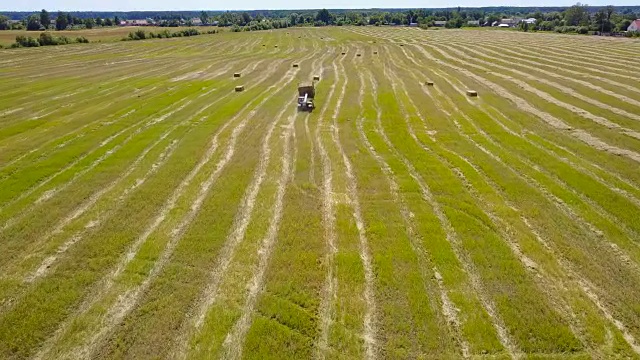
306	94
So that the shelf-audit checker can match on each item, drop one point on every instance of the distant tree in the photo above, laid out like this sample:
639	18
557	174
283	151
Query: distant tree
492	18
204	17
293	19
411	16
116	20
89	23
324	16
246	18
576	15
45	19
99	21
624	25
109	22
62	21
4	23
33	23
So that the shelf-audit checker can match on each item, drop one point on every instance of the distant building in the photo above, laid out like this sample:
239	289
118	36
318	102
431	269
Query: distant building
145	22
504	25
413	24
530	21
439	23
635	26
196	22
473	22
509	22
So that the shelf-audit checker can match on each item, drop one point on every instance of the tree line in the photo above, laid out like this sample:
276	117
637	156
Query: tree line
61	21
577	18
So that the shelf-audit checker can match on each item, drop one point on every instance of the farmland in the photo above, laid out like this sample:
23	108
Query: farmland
149	210
94	35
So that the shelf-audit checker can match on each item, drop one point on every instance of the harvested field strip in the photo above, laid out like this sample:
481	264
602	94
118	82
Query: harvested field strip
134	95
242	236
125	192
502	51
570	113
625	117
619	101
149	210
544	316
547	117
170	231
105	142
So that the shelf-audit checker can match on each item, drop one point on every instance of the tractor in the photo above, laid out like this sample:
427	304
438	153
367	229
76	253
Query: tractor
306	93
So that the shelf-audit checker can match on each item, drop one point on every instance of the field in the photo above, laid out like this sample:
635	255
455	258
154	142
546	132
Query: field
94	35
147	210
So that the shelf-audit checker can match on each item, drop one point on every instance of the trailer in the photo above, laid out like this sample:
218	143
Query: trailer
306	94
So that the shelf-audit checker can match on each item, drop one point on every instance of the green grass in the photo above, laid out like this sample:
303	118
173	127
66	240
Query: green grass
490	233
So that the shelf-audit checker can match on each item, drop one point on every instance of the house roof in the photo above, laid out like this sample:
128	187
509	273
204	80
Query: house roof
636	23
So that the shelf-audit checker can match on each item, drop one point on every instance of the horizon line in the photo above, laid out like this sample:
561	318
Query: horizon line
308	9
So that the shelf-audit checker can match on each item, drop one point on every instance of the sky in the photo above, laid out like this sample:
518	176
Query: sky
133	5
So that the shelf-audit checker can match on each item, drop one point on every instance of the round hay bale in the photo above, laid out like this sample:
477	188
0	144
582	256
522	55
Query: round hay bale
316	77
295	65
358	54
429	83
239	88
236	74
472	93
264	44
344	53
375	53
401	44
275	46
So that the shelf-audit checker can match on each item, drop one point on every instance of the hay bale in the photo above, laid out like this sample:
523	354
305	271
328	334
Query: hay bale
401	44
472	93
344	53
264	44
358	54
429	83
239	88
275	46
236	74
316	77
375	53
295	65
